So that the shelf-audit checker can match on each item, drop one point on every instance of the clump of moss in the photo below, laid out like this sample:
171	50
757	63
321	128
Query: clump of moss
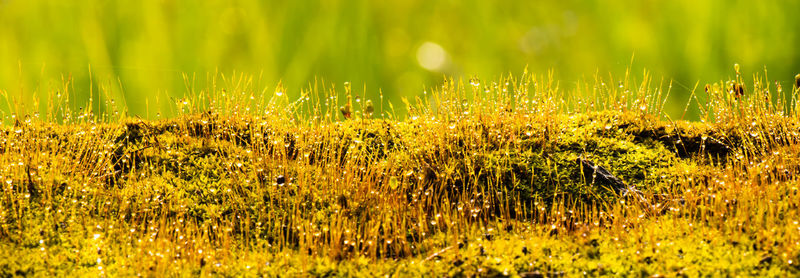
459	188
545	170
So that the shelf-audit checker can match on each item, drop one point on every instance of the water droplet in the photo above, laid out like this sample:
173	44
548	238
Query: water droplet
280	180
797	80
346	111
474	82
368	109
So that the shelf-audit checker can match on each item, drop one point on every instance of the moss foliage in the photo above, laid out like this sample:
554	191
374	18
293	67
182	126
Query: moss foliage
463	192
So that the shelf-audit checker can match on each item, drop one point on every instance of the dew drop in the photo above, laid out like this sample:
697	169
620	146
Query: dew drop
474	82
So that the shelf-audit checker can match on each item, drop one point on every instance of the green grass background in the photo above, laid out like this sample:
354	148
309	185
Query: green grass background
146	45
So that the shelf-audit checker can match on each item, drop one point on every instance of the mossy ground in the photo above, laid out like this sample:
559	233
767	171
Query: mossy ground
488	187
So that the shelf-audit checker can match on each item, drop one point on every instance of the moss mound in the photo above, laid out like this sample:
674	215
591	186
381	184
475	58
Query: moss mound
483	190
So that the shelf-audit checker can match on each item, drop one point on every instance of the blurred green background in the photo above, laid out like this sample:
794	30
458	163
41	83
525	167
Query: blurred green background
397	46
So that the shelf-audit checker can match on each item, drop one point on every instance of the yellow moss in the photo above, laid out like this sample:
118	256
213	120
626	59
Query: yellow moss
454	190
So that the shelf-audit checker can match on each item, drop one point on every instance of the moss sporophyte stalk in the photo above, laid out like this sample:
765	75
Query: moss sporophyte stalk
513	177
